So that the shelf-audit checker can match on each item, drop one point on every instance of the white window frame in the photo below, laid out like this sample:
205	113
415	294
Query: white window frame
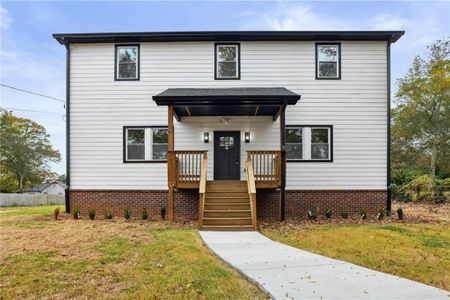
238	60
307	143
338	60
148	143
117	71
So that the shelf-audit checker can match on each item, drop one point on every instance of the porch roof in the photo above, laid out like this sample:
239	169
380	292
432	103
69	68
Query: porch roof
248	101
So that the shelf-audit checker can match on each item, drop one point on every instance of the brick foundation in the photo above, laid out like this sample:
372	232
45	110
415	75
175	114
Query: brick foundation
298	202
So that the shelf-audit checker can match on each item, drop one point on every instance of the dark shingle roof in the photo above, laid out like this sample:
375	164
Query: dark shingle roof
229	92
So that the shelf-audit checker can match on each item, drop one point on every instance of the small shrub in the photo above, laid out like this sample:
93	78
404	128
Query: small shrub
163	213
91	214
144	215
127	213
423	197
344	213
381	213
76	213
363	214
399	193
108	215
56	213
400	213
439	196
312	214
328	213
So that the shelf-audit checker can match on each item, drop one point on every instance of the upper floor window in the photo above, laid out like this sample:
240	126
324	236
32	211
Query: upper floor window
145	144
227	64
309	143
328	61
127	62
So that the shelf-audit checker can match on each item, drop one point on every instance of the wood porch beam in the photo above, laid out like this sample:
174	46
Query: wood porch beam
170	163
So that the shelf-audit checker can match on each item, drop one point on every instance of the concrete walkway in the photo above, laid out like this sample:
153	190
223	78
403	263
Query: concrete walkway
290	273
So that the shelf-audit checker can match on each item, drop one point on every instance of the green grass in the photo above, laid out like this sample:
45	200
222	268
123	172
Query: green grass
42	210
144	260
419	252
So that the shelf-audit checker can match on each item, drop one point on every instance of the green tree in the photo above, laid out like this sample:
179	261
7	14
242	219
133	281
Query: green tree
421	118
25	150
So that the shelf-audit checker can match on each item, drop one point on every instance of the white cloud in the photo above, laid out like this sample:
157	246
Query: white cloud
5	19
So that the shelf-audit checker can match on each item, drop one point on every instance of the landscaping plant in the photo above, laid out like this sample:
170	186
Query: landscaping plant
163	213
108	215
76	213
127	214
400	213
91	214
328	213
381	213
344	213
56	213
363	214
312	214
144	214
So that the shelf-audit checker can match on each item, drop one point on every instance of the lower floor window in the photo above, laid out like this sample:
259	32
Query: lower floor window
309	143
145	143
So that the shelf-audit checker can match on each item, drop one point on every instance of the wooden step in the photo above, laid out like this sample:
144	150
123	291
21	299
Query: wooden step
222	205
228	213
233	189
226	183
227	221
226	199
226	194
227	227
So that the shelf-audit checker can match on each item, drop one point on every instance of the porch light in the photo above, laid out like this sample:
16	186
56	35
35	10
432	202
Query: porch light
206	137
247	137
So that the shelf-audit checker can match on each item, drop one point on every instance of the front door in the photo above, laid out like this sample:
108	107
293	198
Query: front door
227	152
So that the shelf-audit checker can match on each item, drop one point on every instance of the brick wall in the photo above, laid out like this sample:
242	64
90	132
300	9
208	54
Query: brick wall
298	202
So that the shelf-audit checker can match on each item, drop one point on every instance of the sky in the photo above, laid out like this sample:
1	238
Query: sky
31	59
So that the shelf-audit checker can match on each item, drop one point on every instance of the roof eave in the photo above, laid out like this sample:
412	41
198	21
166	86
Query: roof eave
119	37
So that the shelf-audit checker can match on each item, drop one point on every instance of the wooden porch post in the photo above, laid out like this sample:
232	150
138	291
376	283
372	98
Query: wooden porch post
170	164
283	162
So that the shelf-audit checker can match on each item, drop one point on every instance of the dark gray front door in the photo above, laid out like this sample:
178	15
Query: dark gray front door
227	151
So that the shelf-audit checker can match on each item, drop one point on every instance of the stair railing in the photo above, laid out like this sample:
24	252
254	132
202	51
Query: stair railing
267	167
251	190
202	190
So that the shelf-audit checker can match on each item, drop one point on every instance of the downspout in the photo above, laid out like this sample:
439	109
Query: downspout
283	163
389	194
67	193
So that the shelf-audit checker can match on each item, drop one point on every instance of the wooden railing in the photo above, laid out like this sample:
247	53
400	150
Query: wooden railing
202	190
266	167
188	166
251	190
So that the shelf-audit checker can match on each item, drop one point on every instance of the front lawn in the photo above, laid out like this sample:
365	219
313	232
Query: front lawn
419	252
44	258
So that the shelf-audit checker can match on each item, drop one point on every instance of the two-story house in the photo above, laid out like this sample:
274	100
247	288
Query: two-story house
228	127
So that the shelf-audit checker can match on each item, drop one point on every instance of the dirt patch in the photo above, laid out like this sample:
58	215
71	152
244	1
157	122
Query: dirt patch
67	237
414	213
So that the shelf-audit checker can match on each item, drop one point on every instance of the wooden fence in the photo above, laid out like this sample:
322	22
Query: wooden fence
30	199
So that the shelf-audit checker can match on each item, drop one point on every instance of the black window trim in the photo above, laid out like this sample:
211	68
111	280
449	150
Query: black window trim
138	62
124	149
330	127
339	61
238	61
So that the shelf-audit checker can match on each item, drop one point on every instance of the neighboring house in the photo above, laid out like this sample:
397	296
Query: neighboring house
151	116
52	187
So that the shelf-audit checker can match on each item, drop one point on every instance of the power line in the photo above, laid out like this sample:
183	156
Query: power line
34	93
29	110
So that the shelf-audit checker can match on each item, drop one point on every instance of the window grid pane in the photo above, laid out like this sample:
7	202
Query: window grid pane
160	140
127	62
328	61
136	144
227	61
320	143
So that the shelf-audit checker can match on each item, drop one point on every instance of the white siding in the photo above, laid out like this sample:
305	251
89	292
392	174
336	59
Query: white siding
355	106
